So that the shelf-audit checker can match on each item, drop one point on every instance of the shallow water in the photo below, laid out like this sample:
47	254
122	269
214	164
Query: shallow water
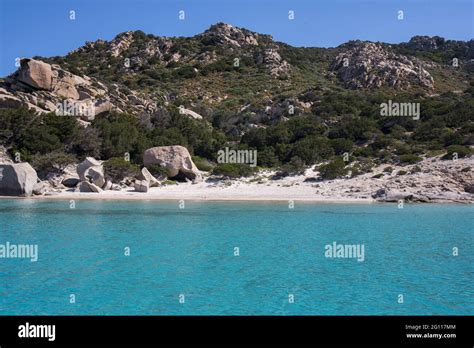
190	251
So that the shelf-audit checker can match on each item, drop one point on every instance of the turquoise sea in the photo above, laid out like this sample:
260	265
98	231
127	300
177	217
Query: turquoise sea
191	252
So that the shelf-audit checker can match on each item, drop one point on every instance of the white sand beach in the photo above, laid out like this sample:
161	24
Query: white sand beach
438	180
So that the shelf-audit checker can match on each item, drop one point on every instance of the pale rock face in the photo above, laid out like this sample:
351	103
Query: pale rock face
40	188
64	84
121	43
48	88
176	159
85	186
141	186
146	176
36	74
227	34
190	113
91	170
274	63
17	179
371	65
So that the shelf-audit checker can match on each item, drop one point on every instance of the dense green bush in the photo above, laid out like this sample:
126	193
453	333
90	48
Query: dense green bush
202	163
461	151
51	162
334	169
117	169
409	159
233	170
157	171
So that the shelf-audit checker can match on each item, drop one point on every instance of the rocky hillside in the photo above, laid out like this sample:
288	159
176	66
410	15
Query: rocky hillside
228	68
229	87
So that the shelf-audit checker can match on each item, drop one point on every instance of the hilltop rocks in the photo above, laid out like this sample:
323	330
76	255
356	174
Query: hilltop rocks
373	65
91	171
45	88
222	33
36	74
17	179
175	159
121	43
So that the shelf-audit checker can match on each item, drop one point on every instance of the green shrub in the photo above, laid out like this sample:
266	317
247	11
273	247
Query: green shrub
333	170
388	169
157	171
202	163
233	170
116	169
402	172
466	170
461	151
294	167
53	162
409	159
377	176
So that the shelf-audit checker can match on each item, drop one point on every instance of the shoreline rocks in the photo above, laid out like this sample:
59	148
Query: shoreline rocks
175	159
17	179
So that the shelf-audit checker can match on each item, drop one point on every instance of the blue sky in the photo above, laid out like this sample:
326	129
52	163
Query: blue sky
43	27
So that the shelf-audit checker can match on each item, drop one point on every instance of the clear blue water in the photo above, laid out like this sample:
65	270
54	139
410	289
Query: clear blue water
191	251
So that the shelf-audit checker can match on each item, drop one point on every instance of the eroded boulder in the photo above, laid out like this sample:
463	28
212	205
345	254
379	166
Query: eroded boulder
86	186
91	170
36	74
147	176
141	186
175	159
17	179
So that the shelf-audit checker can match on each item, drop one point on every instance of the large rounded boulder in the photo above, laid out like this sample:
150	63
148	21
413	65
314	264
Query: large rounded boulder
17	179
92	171
175	159
36	74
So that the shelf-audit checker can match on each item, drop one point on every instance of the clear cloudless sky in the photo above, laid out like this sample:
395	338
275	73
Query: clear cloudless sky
43	27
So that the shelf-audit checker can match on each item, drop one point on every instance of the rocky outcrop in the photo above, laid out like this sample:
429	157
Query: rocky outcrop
85	186
226	34
146	176
175	159
191	113
396	196
49	88
36	74
92	171
70	181
17	179
374	65
275	65
141	186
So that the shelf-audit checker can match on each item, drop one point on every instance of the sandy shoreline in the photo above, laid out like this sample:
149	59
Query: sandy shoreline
436	180
204	192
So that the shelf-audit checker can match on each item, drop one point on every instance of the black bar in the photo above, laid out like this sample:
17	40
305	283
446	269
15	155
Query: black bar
136	330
